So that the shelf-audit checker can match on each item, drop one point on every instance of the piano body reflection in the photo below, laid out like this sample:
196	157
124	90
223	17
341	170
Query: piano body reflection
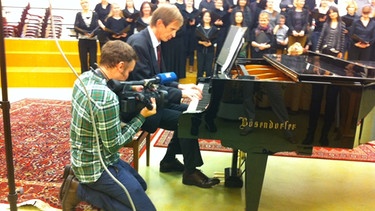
251	108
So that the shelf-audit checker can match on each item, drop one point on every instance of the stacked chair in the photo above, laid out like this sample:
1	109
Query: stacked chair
33	24
47	31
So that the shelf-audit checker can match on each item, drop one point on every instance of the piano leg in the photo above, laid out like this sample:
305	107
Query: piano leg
232	175
255	170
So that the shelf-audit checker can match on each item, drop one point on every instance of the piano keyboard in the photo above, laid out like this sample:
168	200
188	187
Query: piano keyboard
199	105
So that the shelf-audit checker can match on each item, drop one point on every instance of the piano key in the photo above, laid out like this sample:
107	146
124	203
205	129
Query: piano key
199	105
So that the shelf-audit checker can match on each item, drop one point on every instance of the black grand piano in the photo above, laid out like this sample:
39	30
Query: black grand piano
280	103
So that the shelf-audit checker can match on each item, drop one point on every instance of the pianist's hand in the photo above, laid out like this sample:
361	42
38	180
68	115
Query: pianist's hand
189	86
192	94
190	91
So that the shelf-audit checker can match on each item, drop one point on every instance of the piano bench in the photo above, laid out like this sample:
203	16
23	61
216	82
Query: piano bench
136	143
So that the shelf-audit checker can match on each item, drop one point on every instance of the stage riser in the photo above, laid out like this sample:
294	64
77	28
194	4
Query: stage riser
38	62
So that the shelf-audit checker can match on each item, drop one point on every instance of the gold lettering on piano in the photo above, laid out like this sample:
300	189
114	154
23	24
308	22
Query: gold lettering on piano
286	125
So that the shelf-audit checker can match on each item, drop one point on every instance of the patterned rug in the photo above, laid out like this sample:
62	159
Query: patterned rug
204	144
364	152
40	139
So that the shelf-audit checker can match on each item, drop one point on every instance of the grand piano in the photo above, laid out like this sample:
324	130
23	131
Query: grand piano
249	104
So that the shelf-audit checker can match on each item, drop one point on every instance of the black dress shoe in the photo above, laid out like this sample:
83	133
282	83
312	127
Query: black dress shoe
199	179
69	193
174	165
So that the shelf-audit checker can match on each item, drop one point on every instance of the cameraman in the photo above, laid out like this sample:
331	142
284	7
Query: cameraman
165	22
87	180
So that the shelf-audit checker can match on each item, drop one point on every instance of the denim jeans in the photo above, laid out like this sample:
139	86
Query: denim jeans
106	194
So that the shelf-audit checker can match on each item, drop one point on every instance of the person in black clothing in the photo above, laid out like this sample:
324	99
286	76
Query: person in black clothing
86	25
319	20
206	34
263	40
180	4
285	6
362	36
332	39
243	6
115	24
239	20
351	10
145	16
297	19
191	19
175	58
256	7
220	17
102	9
165	22
206	5
131	15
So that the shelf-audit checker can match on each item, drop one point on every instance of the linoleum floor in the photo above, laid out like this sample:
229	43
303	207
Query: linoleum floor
290	184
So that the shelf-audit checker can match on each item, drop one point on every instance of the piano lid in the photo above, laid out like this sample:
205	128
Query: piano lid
321	68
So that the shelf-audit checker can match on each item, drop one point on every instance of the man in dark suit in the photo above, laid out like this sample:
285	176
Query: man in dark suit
165	22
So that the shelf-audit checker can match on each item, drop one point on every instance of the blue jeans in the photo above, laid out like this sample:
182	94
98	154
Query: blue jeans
106	194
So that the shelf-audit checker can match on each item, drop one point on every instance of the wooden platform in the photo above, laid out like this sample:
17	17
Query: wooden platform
39	63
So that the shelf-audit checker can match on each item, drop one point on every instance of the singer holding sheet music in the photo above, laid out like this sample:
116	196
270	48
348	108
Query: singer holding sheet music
263	38
115	24
351	10
297	19
363	36
206	34
102	9
131	15
86	25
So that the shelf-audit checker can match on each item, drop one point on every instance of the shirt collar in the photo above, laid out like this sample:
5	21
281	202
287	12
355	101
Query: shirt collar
154	40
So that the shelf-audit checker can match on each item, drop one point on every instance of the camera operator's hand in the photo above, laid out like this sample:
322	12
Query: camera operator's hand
137	88
146	113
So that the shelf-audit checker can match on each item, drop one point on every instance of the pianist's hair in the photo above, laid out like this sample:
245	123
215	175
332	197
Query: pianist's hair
116	51
168	14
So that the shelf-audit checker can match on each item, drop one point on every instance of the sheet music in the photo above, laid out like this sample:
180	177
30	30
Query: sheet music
236	44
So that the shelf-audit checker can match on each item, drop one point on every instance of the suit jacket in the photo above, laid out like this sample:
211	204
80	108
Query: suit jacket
147	65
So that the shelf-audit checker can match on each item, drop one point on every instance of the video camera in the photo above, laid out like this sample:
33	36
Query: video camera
132	102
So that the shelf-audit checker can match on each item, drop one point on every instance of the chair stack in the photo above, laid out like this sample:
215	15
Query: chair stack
9	30
33	24
57	21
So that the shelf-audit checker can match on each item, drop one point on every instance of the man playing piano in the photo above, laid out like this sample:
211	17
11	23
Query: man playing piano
165	22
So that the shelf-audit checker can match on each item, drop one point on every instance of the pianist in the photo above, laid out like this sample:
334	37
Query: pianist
165	22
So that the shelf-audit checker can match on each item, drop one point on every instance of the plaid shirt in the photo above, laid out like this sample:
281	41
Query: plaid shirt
105	106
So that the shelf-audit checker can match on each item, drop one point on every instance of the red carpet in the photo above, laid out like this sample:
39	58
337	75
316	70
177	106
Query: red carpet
364	152
40	139
204	144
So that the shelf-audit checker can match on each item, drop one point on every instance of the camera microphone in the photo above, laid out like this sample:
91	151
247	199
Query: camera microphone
161	78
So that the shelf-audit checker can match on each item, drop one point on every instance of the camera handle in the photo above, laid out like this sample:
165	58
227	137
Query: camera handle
148	104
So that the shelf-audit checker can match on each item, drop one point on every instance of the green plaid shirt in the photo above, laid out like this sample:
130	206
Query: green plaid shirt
105	105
